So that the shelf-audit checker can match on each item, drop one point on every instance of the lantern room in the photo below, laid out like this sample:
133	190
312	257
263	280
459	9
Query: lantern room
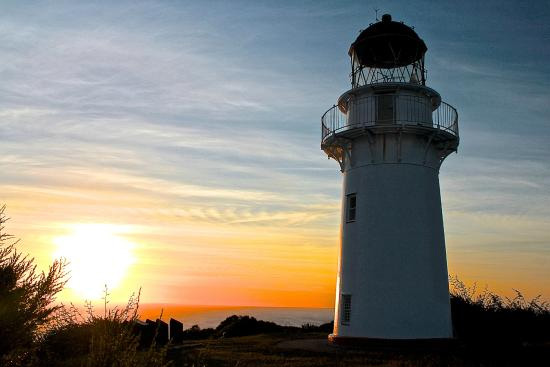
386	52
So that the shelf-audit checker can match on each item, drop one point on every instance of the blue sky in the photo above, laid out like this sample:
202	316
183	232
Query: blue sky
184	118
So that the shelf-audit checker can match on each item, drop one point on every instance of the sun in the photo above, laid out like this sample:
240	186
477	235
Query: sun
98	256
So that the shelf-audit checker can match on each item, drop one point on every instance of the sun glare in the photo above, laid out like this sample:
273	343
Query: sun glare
97	256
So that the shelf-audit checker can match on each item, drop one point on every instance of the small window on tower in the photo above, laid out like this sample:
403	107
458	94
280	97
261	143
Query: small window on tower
352	207
346	309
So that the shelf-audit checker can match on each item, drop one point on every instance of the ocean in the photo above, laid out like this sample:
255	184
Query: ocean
211	316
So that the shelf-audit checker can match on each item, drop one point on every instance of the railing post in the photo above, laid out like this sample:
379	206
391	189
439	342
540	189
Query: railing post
335	113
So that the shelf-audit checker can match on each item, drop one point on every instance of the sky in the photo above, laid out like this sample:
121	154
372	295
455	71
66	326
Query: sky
175	145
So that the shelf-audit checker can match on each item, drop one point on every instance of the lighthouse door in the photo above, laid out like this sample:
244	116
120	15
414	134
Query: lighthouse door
385	109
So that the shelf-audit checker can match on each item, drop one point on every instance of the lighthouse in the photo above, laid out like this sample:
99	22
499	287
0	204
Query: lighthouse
390	133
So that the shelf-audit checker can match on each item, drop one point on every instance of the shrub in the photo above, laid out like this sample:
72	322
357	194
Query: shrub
196	333
246	325
489	318
99	340
323	328
26	299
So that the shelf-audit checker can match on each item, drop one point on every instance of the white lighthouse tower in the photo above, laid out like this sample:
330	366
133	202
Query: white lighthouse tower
390	133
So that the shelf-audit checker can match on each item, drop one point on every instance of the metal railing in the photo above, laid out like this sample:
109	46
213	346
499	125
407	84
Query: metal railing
388	110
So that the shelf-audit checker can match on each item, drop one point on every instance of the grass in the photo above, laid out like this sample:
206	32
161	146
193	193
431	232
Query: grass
265	350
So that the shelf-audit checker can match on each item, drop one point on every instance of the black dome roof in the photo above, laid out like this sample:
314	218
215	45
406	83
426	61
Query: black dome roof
388	44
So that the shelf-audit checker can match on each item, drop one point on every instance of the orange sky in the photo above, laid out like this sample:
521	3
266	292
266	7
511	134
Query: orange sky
179	258
209	259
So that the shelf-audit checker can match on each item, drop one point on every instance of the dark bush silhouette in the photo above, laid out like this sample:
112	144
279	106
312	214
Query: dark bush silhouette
323	328
106	340
66	343
196	333
490	319
246	325
26	300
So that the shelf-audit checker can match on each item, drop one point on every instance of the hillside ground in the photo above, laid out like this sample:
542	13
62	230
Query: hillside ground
311	349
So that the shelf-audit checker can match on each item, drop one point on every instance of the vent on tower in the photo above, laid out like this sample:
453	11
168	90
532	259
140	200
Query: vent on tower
346	309
351	207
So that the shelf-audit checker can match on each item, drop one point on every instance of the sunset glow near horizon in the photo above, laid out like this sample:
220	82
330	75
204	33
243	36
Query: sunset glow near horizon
174	146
